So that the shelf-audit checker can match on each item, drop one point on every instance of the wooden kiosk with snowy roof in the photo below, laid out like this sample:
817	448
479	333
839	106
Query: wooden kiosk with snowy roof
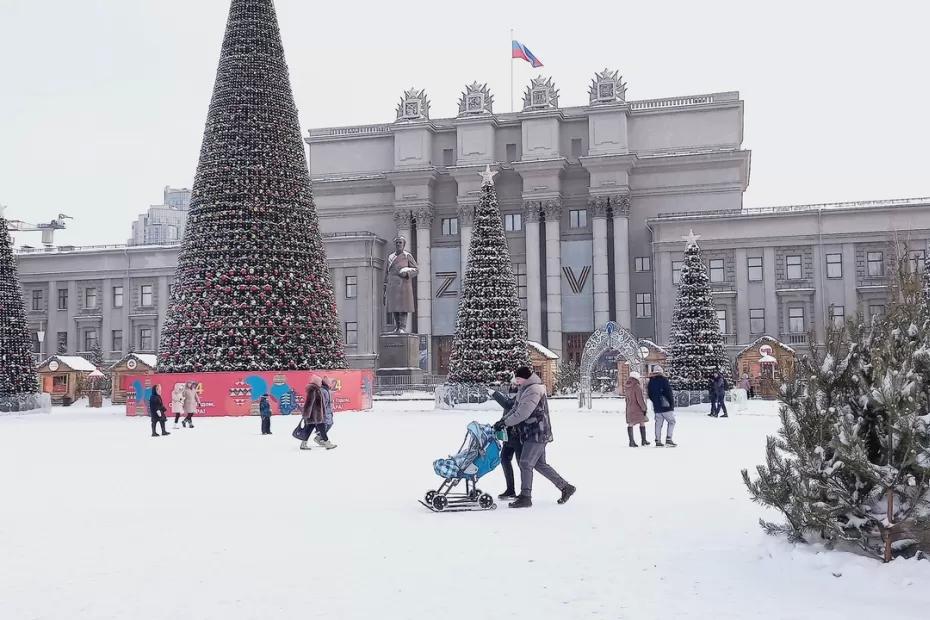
544	363
131	364
63	376
768	363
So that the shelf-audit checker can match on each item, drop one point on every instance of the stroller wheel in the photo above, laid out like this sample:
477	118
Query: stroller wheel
440	502
429	497
486	502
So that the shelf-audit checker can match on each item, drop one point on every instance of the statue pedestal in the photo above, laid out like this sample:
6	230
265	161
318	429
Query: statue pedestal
400	356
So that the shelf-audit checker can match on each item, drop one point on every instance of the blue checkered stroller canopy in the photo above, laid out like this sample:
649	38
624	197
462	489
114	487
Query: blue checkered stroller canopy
480	453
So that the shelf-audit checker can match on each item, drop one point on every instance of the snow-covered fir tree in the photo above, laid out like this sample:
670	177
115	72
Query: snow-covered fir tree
696	350
253	289
851	463
490	334
17	368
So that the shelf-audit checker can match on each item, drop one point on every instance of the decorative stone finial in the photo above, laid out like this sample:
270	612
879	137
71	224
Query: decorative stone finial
607	87
541	94
414	105
476	99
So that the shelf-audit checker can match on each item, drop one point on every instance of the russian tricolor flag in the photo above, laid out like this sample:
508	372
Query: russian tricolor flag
522	51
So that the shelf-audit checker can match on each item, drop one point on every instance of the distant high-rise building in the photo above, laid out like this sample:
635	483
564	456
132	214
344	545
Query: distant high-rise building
163	223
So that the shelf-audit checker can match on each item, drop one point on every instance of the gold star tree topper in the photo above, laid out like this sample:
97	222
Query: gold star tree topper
691	238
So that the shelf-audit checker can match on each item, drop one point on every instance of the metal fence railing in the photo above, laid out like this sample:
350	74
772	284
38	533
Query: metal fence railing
386	385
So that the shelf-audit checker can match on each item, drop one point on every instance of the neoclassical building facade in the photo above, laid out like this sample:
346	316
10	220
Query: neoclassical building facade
595	200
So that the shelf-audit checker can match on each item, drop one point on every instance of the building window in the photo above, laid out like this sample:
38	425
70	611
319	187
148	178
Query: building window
145	339
351	333
722	321
838	316
876	311
519	273
578	218
576	148
450	226
117	337
511	153
117	296
643	305
676	271
351	287
62	342
834	266
90	339
756	320
754	264
793	267
716	270
145	295
62	299
876	264
917	260
642	263
796	320
513	222
36	300
448	157
90	299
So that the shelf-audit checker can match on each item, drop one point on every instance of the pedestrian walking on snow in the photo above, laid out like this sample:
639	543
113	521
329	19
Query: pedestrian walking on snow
635	408
264	410
157	411
746	384
718	395
513	446
314	413
177	401
326	386
530	418
191	403
663	405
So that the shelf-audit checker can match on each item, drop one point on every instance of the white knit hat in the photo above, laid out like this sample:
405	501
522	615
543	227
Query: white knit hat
658	370
635	375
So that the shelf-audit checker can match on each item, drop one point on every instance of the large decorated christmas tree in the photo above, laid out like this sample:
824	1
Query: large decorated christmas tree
17	369
697	350
490	334
253	289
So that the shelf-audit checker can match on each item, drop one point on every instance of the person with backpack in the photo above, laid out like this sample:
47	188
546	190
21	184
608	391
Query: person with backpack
530	418
663	405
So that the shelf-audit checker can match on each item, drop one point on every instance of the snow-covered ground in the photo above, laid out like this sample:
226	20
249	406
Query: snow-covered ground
98	520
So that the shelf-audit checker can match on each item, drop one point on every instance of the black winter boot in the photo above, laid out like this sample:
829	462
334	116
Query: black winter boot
642	434
522	501
567	492
629	431
508	494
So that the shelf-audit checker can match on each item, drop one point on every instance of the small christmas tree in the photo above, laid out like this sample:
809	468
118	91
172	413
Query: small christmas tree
17	369
96	356
851	463
490	335
253	288
696	351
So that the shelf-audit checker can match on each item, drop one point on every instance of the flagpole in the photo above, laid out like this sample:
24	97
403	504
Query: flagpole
511	70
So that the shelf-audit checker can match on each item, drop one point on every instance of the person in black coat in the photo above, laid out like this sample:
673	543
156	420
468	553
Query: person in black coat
157	411
718	396
513	445
663	405
264	410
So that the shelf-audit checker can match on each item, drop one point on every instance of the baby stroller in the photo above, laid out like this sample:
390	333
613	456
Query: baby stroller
480	453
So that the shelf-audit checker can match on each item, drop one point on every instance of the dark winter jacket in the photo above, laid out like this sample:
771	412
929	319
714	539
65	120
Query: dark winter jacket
660	393
156	406
530	415
264	407
718	388
313	406
513	437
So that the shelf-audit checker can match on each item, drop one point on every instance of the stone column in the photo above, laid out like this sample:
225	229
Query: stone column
162	309
598	209
105	299
850	292
772	327
129	305
466	213
553	211
621	214
51	327
533	282
741	320
73	335
424	217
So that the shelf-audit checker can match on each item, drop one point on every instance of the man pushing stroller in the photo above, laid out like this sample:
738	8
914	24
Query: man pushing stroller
529	418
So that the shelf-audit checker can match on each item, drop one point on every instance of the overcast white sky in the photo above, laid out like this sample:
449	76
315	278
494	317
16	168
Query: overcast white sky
102	102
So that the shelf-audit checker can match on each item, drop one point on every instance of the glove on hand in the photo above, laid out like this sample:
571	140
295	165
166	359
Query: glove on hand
499	425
